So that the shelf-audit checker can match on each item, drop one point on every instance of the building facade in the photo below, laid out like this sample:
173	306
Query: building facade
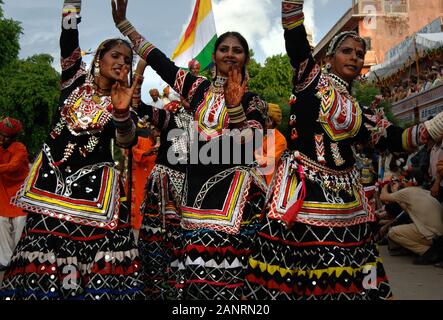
384	24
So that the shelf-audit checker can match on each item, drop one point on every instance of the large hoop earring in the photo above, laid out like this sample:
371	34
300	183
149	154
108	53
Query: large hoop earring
327	67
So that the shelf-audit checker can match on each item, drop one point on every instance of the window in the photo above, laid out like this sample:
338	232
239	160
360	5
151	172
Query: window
395	6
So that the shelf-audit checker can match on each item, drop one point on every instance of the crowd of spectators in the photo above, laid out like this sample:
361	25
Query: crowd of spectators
431	75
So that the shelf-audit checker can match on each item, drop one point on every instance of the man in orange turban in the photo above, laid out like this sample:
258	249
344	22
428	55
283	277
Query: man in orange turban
14	168
274	143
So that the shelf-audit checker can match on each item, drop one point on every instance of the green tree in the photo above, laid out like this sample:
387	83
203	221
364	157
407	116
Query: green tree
273	82
10	31
365	94
29	88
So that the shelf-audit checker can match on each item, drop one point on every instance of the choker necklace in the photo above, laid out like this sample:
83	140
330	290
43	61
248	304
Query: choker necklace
339	82
218	85
219	81
101	91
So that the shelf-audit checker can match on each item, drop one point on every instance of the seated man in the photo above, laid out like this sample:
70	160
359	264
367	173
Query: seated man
426	215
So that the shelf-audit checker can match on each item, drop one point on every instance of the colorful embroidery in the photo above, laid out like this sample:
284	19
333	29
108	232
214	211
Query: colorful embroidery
320	148
309	80
226	219
338	159
194	87
292	15
85	112
99	206
414	136
340	115
331	211
79	73
212	115
180	80
302	68
70	61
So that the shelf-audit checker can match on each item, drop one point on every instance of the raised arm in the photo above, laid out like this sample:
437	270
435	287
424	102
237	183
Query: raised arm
297	44
157	117
179	79
71	60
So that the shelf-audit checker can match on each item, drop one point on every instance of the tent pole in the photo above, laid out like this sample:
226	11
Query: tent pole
417	65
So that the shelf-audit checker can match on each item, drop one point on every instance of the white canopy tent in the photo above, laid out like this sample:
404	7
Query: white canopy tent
407	52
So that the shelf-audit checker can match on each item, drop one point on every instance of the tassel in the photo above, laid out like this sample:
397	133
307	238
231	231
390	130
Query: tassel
291	214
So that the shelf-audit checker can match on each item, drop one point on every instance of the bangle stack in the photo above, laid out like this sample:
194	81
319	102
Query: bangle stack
236	114
120	115
125	27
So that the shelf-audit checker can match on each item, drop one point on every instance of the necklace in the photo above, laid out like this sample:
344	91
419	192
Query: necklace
339	82
217	86
219	81
100	91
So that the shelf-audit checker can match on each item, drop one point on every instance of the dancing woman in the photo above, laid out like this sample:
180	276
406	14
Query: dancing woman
221	200
316	241
78	242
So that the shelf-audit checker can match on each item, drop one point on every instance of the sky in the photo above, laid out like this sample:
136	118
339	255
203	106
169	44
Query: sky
162	22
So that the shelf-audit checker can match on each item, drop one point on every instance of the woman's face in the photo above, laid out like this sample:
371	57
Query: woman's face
229	54
113	61
348	60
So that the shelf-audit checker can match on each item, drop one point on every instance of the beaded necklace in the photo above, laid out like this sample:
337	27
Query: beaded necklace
218	85
341	85
86	112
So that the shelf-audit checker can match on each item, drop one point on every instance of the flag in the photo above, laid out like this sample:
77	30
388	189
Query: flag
199	38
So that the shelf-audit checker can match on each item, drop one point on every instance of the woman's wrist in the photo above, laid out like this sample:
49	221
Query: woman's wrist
236	114
125	27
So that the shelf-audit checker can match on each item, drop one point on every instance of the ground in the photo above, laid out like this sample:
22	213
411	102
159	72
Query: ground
412	282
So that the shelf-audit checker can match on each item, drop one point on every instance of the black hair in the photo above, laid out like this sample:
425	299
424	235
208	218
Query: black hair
242	41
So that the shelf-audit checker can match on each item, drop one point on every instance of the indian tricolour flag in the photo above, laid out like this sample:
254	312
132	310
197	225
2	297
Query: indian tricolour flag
199	38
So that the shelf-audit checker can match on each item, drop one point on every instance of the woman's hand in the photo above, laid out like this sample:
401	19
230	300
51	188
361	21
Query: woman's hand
234	88
119	10
121	93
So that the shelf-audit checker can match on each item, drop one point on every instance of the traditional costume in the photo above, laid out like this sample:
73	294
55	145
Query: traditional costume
78	242
316	240
219	203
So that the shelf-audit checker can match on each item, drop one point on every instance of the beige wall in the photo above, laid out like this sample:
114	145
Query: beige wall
390	31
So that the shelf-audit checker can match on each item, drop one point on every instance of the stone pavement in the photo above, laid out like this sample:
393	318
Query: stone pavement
412	282
408	281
